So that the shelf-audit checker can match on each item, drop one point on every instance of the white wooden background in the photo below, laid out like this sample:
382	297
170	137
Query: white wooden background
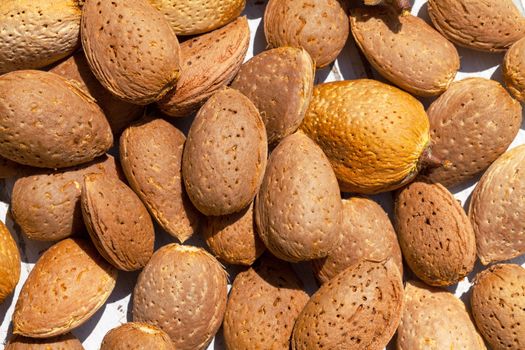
348	66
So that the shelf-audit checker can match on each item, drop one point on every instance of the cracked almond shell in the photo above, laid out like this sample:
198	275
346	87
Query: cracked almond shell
320	27
489	25
374	134
405	49
190	17
435	234
497	207
131	49
117	221
209	62
67	285
184	298
263	306
366	233
358	309
49	122
46	205
498	306
151	157
136	336
514	69
63	342
119	113
435	319
224	158
279	82
233	238
34	34
471	125
298	210
9	263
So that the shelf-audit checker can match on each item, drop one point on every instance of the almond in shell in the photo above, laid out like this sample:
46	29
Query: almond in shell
298	210
9	263
366	233
117	221
435	319
136	336
514	70
358	309
34	34
48	122
209	62
131	49
319	26
489	25
62	342
263	306
186	299
279	82
498	306
471	125
68	284
151	157
405	49
497	207
435	234
225	154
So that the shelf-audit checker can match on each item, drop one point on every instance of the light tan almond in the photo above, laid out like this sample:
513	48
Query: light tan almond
63	342
9	263
514	69
136	336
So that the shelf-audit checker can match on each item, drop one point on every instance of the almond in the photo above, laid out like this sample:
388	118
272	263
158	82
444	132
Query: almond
435	234
186	299
151	157
209	62
495	209
9	263
298	210
137	336
131	49
514	70
63	342
76	282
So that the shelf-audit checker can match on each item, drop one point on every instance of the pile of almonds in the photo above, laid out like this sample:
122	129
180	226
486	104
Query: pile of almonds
273	171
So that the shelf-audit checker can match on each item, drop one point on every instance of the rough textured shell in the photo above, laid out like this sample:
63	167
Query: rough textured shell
488	25
498	306
497	207
279	82
298	210
131	49
48	122
166	295
358	309
264	304
136	336
435	234
78	282
405	49
9	263
366	233
435	319
119	113
233	238
9	169
46	205
117	221
151	157
319	26
34	34
209	62
189	17
225	154
514	70
471	125
374	134
63	342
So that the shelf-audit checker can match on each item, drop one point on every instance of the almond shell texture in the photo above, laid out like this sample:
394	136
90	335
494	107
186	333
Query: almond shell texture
514	70
62	342
9	263
48	122
136	336
298	210
68	284
182	291
151	157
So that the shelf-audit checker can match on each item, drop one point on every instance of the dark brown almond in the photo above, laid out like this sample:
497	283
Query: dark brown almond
10	169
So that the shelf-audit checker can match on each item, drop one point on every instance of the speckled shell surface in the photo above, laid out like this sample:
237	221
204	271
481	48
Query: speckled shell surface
63	342
136	336
9	263
514	70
